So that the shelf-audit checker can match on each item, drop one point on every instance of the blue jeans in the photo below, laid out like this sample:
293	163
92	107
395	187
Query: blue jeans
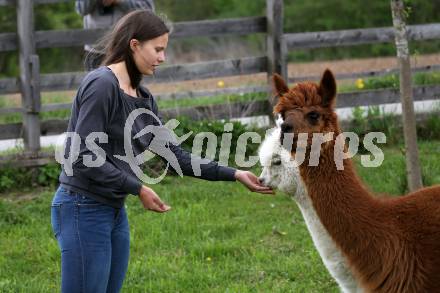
94	240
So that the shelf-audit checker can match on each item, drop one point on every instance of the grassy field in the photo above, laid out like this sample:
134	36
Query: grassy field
218	238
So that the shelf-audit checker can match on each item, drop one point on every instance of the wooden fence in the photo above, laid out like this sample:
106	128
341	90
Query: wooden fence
31	83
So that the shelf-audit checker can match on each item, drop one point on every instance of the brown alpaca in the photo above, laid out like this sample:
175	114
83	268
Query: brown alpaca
392	244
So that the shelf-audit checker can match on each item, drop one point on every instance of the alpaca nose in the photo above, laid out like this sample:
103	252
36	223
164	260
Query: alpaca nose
261	180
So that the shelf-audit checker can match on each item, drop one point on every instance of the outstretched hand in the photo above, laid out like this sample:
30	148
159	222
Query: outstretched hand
251	181
151	201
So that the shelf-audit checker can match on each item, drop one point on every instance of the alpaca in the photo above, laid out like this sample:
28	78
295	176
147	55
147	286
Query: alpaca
281	172
391	244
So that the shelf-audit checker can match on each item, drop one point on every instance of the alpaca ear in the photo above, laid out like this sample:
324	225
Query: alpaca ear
327	88
280	86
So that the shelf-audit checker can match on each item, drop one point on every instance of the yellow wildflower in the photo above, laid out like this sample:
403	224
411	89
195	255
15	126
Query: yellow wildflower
360	83
220	83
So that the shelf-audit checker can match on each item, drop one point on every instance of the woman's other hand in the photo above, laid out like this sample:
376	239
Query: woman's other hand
151	201
251	181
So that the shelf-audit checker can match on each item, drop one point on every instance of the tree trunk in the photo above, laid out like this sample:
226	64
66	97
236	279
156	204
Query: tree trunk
409	122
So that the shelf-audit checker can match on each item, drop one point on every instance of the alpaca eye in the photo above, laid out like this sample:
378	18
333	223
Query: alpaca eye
276	162
313	116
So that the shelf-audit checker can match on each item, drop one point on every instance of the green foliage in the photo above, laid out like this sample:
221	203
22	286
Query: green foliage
310	16
391	81
11	178
373	119
54	60
9	64
213	100
388	81
11	118
6	181
58	16
186	10
218	128
58	114
48	174
426	78
431	128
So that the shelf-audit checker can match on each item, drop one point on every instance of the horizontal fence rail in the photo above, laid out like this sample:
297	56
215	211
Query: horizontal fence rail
237	109
202	70
353	37
385	96
25	160
79	37
366	74
71	81
238	26
168	73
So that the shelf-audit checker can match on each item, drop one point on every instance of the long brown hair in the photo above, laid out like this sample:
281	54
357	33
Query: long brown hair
142	25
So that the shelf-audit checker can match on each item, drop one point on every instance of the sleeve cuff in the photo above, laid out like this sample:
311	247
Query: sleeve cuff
132	185
226	173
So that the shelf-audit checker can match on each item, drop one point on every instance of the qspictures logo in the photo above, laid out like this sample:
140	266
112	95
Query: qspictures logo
74	148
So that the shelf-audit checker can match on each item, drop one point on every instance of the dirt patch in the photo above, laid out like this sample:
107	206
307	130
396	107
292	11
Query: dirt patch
295	70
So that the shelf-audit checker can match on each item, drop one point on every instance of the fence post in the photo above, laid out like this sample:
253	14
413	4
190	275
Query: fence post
406	95
276	48
29	75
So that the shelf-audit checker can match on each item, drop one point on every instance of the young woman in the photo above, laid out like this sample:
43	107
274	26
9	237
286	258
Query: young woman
88	215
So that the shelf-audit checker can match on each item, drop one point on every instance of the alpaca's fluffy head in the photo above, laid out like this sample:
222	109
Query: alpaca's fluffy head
307	108
280	171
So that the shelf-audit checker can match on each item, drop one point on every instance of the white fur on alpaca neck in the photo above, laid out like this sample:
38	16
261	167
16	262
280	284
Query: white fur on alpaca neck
281	171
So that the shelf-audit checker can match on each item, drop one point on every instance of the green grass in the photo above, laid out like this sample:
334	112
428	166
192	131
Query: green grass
392	81
215	100
390	177
218	237
169	253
